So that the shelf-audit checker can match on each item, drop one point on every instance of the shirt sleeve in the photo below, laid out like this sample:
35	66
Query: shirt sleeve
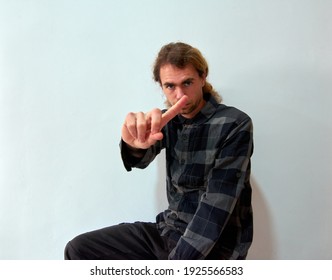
226	181
129	161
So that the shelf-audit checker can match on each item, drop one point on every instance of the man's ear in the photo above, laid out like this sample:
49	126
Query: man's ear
203	77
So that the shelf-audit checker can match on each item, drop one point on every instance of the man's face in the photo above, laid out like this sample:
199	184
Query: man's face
177	82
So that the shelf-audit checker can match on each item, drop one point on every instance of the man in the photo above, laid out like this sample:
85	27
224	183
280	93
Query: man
208	149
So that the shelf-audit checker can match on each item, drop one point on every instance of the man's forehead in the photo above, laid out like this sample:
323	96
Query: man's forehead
171	73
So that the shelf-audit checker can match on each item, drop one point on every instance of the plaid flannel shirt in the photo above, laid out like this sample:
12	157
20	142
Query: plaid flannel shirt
208	183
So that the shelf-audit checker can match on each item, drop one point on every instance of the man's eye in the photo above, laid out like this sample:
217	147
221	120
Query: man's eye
169	86
187	83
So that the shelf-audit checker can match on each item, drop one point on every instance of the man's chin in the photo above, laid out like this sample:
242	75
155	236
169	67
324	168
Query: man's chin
187	108
186	111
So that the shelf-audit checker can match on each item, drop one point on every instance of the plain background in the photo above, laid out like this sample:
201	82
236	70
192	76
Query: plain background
71	70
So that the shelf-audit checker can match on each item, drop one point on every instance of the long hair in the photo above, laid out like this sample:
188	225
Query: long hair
180	55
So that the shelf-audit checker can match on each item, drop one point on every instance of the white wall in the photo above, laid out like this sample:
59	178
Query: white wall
71	70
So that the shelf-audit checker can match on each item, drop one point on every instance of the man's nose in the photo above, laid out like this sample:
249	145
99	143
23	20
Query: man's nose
179	93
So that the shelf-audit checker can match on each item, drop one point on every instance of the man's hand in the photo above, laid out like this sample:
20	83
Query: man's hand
141	130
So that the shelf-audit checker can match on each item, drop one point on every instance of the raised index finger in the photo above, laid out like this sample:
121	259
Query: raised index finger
173	111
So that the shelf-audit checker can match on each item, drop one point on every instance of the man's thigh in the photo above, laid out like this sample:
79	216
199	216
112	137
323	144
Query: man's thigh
131	241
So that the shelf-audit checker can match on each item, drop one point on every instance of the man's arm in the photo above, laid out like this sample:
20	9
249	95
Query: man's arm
226	181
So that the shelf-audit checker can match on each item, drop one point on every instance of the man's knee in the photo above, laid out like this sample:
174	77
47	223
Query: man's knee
73	248
68	252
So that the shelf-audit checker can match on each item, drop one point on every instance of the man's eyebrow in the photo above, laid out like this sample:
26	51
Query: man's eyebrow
187	80
184	81
168	84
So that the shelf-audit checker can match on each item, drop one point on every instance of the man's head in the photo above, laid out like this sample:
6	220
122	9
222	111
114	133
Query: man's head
182	55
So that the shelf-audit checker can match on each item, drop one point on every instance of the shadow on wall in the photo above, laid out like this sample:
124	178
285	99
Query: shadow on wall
264	244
